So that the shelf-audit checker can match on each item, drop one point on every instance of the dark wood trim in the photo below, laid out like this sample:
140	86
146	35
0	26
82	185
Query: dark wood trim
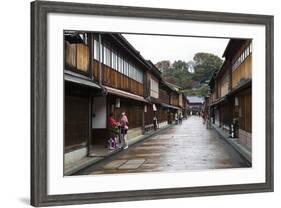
39	98
143	118
91	55
90	126
100	60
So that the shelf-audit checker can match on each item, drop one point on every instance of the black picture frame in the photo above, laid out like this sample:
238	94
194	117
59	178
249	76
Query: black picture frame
39	12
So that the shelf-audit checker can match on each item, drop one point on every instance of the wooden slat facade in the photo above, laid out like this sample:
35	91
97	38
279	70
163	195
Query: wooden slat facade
82	57
245	111
162	114
148	116
231	96
226	113
133	109
77	56
164	96
70	55
244	71
115	79
224	85
174	99
76	122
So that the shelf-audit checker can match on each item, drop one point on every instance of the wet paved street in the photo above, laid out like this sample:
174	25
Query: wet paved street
189	146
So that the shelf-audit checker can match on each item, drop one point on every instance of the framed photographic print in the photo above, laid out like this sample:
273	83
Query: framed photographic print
132	103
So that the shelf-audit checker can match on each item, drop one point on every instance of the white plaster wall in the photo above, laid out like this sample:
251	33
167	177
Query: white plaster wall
99	109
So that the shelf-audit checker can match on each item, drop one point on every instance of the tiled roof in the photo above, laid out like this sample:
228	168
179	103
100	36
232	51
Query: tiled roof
195	99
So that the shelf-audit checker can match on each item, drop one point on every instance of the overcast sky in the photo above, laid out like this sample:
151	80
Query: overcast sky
158	48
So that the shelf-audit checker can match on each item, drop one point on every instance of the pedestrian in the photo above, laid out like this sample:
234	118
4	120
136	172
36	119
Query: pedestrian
176	118
180	118
155	122
169	118
113	132
204	117
124	125
207	119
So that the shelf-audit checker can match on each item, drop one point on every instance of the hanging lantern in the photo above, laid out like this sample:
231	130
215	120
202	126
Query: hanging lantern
154	107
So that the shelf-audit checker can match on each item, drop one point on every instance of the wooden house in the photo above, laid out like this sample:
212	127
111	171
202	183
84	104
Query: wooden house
163	98
105	74
231	94
79	88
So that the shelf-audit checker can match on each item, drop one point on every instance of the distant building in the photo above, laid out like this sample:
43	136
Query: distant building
194	104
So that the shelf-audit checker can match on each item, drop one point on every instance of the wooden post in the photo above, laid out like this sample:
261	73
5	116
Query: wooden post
90	127
100	60
143	120
91	46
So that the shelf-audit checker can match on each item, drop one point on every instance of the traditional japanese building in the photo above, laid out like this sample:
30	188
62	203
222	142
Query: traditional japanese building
194	104
105	74
231	91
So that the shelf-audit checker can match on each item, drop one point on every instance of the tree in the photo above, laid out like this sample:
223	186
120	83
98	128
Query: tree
180	65
195	83
203	90
163	66
173	73
204	65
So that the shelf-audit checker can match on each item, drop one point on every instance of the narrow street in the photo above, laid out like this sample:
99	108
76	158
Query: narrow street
189	146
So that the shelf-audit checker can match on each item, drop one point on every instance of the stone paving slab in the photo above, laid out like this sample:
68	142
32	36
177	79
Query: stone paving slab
149	155
114	164
132	164
151	148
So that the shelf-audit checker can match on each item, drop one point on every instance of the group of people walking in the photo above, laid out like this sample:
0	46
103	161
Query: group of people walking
118	132
178	118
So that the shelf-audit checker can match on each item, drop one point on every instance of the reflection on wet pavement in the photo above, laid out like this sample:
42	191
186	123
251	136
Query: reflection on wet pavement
189	146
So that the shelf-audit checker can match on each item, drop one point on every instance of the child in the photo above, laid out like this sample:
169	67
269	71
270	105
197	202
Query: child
112	143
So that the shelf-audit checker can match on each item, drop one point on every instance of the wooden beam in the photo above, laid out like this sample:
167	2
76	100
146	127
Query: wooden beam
90	127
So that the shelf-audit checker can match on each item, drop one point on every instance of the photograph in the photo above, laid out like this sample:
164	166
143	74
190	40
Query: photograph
143	103
140	103
137	103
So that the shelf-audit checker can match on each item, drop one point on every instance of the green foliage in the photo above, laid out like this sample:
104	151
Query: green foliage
180	65
163	66
204	65
200	91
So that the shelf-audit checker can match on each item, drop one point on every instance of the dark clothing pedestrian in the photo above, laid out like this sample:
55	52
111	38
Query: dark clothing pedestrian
155	123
